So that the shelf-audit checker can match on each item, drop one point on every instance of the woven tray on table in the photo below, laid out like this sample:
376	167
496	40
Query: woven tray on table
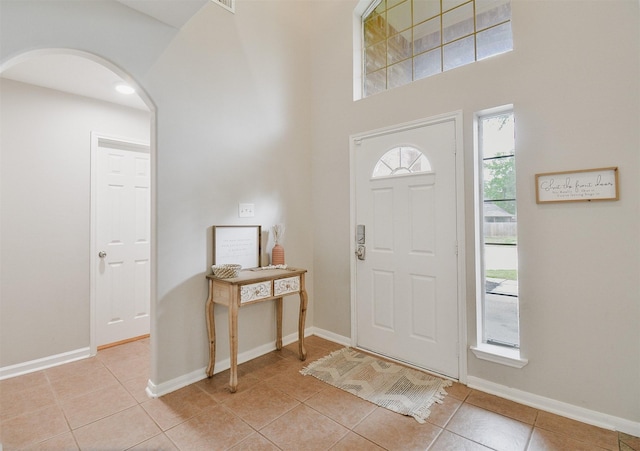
226	271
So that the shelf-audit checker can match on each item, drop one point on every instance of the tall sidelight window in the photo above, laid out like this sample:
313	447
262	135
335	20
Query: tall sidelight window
498	230
406	40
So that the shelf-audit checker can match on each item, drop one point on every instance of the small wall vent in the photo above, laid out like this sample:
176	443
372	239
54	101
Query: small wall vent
229	5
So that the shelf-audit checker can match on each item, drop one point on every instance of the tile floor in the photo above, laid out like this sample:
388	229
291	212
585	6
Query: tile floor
100	404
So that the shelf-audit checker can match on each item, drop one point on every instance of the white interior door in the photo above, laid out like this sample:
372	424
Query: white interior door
406	296
122	231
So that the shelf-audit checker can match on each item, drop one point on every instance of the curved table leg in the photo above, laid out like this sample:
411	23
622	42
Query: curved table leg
211	330
301	320
279	324
233	345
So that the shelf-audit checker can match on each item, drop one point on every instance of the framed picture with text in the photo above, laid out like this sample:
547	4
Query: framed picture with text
238	245
577	186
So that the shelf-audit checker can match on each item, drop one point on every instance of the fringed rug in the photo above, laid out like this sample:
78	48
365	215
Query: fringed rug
395	387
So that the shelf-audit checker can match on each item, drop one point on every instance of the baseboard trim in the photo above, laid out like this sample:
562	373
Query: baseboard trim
327	335
157	390
581	414
122	342
42	364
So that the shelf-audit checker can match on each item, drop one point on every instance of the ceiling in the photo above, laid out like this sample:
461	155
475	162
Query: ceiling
75	75
81	76
171	12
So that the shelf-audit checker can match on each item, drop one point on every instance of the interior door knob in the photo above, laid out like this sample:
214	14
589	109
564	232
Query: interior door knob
102	254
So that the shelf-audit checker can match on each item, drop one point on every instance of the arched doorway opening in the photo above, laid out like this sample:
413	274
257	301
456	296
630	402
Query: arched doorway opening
49	247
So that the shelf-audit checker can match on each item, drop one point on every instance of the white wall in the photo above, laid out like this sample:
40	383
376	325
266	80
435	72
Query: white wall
573	77
45	177
233	126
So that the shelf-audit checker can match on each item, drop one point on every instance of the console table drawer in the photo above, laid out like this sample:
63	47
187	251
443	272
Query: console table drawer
288	285
255	291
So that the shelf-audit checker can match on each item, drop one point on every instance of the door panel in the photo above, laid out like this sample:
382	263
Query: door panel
406	299
382	204
423	308
383	296
123	235
422	219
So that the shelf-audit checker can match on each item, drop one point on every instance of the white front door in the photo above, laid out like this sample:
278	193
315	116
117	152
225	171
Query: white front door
406	295
122	231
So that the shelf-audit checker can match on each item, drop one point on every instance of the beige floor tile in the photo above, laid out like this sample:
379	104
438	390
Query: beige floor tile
158	443
263	361
119	431
137	387
442	412
178	406
62	442
489	428
20	399
129	368
503	406
96	405
255	442
138	348
314	340
244	369
579	431
543	440
458	391
393	431
74	369
29	381
32	427
265	368
343	407
314	352
293	362
290	353
216	429
354	442
629	441
81	382
448	441
296	385
304	428
218	386
260	405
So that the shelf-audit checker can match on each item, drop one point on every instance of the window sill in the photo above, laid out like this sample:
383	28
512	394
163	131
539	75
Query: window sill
498	354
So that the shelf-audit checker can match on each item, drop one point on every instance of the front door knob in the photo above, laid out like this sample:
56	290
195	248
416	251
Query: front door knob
102	254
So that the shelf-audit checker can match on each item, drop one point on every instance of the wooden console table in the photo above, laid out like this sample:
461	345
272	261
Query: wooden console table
250	287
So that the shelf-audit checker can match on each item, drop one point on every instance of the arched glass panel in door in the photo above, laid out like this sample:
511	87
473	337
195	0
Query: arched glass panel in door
401	161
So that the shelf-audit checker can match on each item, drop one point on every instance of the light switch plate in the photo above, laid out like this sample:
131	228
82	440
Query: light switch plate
245	210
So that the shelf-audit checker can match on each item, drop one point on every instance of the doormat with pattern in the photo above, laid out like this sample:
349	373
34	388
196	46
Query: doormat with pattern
393	386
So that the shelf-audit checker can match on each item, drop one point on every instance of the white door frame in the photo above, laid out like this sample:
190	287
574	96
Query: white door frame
127	144
354	141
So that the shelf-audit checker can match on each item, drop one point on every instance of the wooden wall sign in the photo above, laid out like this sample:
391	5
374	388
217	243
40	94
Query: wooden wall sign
577	186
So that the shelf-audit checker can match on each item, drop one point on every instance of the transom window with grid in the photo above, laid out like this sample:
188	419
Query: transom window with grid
406	40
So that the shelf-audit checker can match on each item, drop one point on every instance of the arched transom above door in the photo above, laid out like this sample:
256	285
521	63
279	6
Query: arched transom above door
401	160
